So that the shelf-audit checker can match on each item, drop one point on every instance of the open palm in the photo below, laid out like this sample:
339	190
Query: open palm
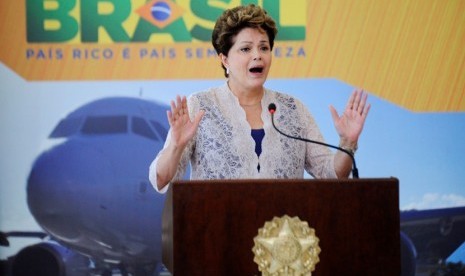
182	128
350	124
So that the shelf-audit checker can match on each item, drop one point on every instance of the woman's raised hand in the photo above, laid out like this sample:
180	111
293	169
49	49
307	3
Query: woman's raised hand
350	124
182	128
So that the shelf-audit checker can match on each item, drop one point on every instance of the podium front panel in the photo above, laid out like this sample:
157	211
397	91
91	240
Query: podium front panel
209	226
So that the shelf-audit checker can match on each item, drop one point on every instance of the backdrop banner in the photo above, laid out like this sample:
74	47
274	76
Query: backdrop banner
406	51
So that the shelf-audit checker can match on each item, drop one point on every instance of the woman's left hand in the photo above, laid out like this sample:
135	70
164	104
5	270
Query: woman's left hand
350	124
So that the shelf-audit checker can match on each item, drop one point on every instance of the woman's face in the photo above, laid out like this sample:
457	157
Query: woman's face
249	59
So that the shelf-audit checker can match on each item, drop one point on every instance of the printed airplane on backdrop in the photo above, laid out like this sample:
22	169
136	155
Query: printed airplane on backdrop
429	237
91	195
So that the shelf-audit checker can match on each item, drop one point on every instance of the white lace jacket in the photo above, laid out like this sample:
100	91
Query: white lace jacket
223	147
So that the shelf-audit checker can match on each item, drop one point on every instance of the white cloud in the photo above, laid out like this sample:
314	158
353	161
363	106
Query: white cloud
435	201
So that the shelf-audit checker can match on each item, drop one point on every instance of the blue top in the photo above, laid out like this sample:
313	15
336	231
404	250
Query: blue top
257	135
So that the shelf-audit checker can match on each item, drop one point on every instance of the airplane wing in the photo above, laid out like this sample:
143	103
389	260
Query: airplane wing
435	234
5	235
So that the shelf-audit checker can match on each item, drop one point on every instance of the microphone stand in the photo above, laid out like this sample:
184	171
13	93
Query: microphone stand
354	166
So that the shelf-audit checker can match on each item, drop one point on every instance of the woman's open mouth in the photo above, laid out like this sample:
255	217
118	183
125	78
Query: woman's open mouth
256	69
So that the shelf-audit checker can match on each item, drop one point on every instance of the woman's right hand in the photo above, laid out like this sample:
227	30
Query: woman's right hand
182	128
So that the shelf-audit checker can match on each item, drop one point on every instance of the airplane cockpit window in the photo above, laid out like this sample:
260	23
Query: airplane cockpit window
140	126
105	125
66	127
160	129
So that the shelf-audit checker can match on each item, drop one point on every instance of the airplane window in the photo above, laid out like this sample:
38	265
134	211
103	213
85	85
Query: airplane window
160	129
105	125
140	126
66	127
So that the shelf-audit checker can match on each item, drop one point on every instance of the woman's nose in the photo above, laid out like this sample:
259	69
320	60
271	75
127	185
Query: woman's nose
257	55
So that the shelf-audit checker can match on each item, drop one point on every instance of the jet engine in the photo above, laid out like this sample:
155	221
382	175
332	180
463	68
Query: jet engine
408	255
47	258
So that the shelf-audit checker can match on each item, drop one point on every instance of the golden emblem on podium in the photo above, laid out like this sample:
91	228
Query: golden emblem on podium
286	246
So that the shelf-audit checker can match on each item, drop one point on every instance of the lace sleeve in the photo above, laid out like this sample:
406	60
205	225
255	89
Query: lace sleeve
193	107
319	160
180	171
184	162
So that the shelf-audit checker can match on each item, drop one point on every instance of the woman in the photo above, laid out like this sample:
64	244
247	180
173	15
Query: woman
226	132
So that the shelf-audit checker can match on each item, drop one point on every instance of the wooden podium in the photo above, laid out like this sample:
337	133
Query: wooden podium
209	226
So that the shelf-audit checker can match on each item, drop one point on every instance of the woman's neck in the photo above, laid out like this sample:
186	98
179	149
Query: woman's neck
247	97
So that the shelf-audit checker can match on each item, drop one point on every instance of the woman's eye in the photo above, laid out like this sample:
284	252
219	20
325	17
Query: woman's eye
245	49
265	48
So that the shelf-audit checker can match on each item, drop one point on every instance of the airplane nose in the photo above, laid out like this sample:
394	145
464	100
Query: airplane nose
60	186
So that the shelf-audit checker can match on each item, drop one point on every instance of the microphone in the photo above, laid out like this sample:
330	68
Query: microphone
272	110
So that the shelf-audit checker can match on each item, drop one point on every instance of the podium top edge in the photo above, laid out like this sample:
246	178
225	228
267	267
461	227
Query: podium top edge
389	180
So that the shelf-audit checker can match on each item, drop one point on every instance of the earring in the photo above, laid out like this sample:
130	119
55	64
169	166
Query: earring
227	71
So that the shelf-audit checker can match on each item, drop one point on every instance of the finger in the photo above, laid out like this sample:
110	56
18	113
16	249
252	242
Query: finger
363	100
173	111
178	103
350	102
365	111
173	106
184	105
170	117
176	108
334	113
357	99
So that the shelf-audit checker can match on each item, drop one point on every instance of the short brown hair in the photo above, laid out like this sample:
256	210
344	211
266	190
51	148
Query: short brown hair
232	21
